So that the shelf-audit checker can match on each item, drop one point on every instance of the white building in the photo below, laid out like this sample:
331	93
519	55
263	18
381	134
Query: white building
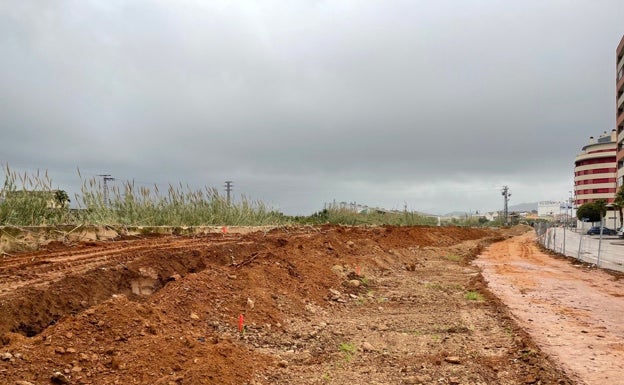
555	210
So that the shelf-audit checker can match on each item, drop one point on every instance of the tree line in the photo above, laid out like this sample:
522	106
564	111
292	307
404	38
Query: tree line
595	211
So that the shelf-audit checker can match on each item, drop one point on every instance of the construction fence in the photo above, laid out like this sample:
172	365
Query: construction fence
606	251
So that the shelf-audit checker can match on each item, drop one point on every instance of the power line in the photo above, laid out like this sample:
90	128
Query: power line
106	178
228	189
506	194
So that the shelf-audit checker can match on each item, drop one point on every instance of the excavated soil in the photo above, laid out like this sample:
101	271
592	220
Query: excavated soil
319	305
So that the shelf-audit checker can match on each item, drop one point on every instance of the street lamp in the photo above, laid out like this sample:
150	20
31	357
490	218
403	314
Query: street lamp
571	204
563	249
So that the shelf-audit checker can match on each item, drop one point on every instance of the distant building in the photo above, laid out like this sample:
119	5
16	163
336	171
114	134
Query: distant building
595	170
619	109
547	208
555	210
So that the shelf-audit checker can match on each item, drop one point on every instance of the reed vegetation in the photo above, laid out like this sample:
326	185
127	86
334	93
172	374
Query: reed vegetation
30	200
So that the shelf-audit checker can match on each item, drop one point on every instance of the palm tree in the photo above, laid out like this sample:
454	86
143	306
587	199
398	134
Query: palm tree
601	207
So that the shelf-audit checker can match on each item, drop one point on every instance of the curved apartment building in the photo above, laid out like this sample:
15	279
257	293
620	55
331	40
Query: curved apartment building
595	170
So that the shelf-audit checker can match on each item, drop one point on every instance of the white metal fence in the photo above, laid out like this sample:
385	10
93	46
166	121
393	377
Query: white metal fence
606	251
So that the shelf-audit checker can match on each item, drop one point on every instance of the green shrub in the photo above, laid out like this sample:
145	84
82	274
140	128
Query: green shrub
474	296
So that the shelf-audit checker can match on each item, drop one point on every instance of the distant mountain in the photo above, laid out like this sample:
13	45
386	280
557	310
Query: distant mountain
521	207
456	214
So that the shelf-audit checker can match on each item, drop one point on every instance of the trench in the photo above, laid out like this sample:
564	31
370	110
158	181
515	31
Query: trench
29	311
32	310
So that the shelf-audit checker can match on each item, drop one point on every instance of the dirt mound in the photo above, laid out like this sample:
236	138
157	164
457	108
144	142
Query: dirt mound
318	304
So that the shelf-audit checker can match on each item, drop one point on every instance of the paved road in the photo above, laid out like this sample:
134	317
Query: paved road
575	314
607	253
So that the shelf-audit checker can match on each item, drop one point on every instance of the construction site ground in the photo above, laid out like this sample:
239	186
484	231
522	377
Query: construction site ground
305	305
574	311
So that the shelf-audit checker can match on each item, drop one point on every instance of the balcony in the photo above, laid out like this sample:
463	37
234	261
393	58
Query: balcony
590	178
594	197
620	101
600	155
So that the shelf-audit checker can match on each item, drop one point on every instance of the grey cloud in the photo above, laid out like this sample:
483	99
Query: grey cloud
299	101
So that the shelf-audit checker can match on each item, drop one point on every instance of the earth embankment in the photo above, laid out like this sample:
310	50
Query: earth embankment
311	305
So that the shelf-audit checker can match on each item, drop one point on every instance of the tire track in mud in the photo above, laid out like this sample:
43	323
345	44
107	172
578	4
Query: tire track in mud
37	289
525	252
44	268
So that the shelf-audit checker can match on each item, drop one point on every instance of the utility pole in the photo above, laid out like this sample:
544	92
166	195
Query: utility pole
571	204
106	178
506	194
228	190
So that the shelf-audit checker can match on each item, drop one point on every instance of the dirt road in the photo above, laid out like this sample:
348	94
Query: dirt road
574	313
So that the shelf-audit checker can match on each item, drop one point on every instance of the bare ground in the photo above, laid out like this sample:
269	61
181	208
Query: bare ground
573	311
321	305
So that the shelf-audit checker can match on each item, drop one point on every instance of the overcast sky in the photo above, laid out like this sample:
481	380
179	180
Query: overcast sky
435	104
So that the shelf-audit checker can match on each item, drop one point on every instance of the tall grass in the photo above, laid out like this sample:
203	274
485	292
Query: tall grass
29	200
178	206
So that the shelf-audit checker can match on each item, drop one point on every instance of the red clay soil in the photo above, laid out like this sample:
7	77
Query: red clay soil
573	311
321	305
